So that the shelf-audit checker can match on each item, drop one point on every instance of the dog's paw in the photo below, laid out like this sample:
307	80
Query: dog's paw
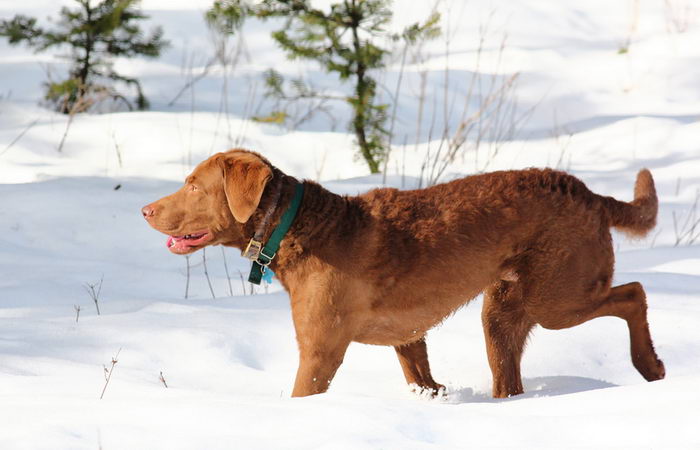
658	373
651	368
434	390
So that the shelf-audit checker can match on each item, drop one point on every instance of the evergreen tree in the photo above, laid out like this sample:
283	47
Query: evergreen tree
226	16
95	32
344	40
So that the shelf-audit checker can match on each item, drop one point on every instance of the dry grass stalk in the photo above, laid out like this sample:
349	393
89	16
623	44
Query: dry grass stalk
108	372
687	230
206	272
161	378
94	290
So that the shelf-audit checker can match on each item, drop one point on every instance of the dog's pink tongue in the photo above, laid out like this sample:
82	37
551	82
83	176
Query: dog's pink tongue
173	240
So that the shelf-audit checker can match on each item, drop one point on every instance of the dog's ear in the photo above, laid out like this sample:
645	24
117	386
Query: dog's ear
245	179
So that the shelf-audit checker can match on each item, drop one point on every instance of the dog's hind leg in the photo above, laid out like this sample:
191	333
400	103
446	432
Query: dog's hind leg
506	327
627	302
414	362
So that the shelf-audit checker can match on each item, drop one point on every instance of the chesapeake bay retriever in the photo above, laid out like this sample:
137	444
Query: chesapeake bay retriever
385	267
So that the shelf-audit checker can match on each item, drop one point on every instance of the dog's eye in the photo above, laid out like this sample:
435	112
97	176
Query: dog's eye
193	188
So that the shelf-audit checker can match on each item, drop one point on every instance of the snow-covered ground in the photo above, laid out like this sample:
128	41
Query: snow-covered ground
229	361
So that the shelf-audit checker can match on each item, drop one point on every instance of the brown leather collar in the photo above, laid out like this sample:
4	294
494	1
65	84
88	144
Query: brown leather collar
262	226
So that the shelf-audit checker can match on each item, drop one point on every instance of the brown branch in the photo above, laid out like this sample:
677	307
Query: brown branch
206	272
19	136
162	379
194	80
108	372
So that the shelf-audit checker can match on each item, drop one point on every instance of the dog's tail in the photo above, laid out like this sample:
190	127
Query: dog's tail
638	217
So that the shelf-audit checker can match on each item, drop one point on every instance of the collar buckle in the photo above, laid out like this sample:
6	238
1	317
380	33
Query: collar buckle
253	250
265	260
259	253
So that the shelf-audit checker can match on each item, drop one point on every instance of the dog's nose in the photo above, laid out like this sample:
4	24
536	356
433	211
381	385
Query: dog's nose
147	211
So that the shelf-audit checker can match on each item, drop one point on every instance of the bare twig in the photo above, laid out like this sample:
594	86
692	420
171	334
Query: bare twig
19	136
247	109
192	110
117	149
656	235
631	28
403	162
295	104
228	277
426	159
162	379
319	168
65	133
94	290
187	283
679	15
494	121
193	79
228	60
394	109
77	312
562	136
687	231
82	104
206	272
108	372
240	274
419	58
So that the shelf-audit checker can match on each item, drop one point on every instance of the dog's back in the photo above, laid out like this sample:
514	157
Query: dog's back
542	231
386	266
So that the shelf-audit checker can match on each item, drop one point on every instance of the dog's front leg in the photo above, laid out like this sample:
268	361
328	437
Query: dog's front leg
414	362
317	368
323	339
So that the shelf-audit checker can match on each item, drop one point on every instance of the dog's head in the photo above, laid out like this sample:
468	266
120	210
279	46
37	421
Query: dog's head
217	199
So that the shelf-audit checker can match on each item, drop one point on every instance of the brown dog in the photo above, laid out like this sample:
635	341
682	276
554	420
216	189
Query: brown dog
386	266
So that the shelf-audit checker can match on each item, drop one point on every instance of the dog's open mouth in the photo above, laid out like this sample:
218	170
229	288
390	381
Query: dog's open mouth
188	242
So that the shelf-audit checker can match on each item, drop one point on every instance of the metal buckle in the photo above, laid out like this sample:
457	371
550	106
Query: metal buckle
269	259
253	250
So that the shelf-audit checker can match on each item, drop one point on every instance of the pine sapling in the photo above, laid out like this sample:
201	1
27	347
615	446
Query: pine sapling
347	39
95	32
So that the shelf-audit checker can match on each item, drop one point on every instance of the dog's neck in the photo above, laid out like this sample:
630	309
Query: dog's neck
261	229
324	221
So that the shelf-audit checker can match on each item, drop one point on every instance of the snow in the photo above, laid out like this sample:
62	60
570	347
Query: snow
229	362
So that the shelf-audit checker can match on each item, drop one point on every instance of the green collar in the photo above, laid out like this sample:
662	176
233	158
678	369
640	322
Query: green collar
263	256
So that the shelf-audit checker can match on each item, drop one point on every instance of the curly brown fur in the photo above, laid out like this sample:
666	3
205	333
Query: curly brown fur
386	266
